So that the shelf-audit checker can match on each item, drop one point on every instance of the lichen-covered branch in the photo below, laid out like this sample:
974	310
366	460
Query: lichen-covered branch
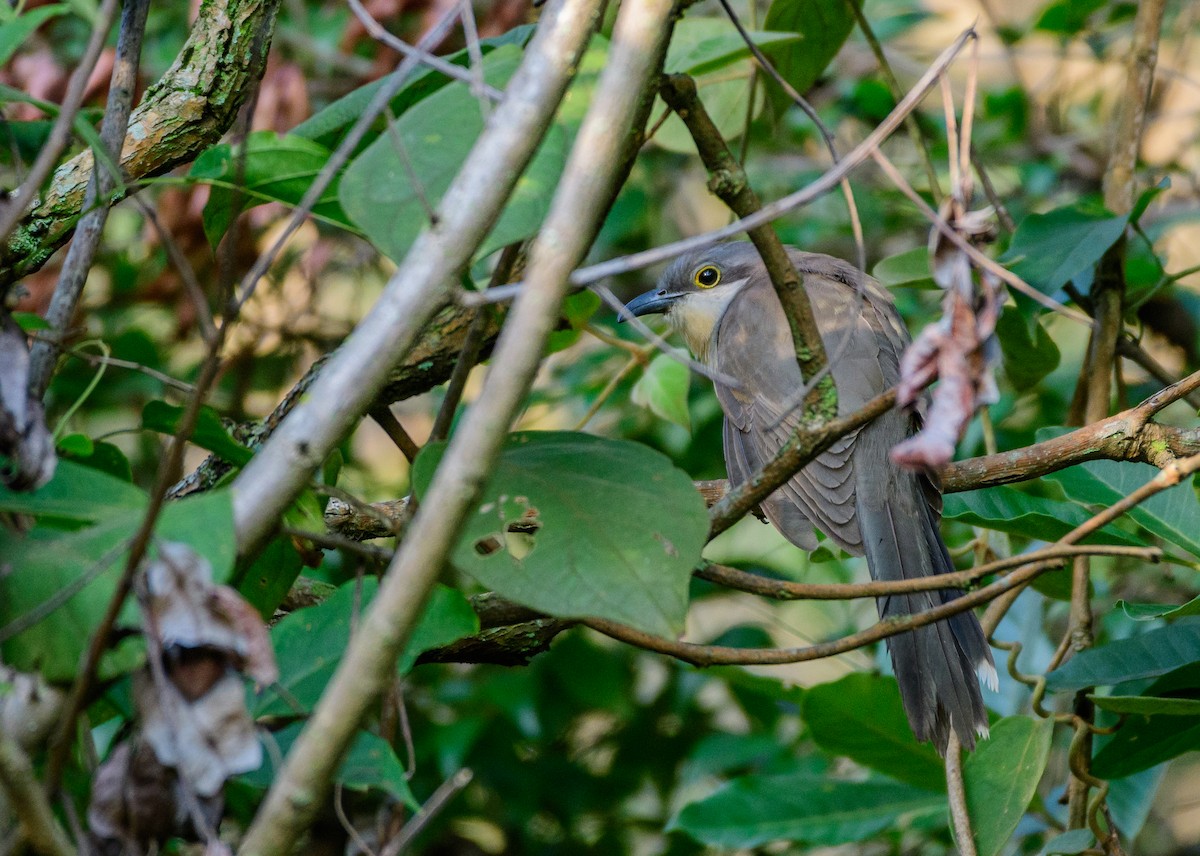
188	110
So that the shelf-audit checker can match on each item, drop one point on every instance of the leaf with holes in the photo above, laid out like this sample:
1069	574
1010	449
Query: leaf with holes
576	525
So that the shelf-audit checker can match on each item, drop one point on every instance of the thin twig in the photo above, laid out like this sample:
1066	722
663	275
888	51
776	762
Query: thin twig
391	426
770	211
71	278
368	665
346	148
29	803
445	792
964	836
13	209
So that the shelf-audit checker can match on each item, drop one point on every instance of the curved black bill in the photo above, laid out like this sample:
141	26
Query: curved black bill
651	302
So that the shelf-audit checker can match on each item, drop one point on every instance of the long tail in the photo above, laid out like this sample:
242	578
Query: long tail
938	666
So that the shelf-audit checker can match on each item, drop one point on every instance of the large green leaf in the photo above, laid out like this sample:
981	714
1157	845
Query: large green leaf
1152	611
909	268
266	168
430	142
861	717
370	763
76	493
1147	655
713	52
754	810
1007	509
1048	250
1144	742
309	642
663	389
616	527
66	581
823	26
1172	514
1146	705
1001	777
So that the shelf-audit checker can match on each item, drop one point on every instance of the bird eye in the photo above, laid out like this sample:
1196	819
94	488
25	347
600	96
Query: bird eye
707	276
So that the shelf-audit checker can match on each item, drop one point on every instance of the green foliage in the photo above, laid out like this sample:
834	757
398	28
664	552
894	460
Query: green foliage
861	717
804	808
1148	655
209	433
409	168
823	25
576	525
663	388
1001	777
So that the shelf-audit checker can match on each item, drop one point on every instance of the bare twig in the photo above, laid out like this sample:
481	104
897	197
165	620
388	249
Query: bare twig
29	803
354	375
345	149
391	426
964	836
445	792
368	664
67	292
13	209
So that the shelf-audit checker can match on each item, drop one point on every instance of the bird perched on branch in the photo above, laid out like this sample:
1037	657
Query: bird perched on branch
722	302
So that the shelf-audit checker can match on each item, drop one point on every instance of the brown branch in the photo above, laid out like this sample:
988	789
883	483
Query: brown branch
715	655
28	802
728	180
788	590
189	109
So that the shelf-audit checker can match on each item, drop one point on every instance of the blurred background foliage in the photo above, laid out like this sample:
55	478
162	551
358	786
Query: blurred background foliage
595	747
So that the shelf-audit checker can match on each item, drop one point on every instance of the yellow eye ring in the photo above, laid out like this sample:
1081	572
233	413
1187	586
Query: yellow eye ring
707	276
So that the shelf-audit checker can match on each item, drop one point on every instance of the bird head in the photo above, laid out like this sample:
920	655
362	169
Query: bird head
694	292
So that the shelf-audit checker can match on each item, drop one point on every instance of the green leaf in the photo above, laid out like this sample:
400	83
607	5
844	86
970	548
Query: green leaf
14	33
1144	742
1067	17
1147	655
1047	250
77	493
824	26
1001	777
448	616
1172	514
1151	611
909	268
326	124
430	141
370	763
272	169
713	52
1069	843
618	528
30	321
309	642
1029	355
861	717
1007	509
663	389
268	579
210	433
1148	705
753	810
76	445
45	566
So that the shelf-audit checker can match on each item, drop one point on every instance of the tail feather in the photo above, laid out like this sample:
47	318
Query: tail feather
936	665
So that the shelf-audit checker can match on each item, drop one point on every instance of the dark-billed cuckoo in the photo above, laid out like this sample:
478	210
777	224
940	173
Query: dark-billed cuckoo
722	302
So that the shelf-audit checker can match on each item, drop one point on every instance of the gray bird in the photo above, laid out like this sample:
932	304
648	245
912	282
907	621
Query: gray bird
722	302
